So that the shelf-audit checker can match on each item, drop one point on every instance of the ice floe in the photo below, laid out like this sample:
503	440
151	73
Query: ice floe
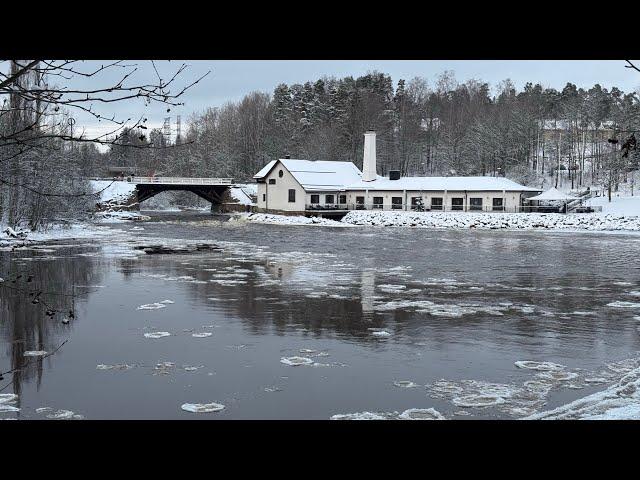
405	384
381	333
296	361
156	334
622	304
202	407
152	306
6	398
360	416
202	334
541	366
421	414
35	353
477	400
119	366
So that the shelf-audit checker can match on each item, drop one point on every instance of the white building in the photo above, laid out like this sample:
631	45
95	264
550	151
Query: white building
332	188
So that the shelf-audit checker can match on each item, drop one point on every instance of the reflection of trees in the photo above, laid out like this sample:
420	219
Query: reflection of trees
25	325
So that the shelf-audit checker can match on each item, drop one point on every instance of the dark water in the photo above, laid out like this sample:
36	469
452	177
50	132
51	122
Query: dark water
271	291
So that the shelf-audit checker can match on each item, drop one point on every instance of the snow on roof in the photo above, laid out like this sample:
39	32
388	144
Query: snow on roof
552	194
263	172
318	174
443	183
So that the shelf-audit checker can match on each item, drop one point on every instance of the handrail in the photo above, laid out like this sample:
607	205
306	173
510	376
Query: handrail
179	180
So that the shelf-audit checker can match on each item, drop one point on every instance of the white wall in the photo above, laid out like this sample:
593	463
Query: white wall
277	196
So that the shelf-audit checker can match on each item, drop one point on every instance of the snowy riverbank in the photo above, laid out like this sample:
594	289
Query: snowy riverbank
289	220
620	401
494	221
55	232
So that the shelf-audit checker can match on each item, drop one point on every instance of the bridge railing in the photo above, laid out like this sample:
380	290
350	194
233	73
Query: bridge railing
180	181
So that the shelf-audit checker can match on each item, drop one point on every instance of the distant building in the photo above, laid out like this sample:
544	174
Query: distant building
307	187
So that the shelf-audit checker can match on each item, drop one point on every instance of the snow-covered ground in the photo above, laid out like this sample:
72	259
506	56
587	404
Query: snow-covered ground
112	191
243	192
628	206
514	221
620	401
289	220
58	232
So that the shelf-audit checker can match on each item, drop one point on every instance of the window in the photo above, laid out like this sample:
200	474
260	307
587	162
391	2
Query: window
280	174
396	203
475	204
457	204
342	199
497	204
377	202
329	199
436	203
359	203
292	196
264	197
272	181
315	198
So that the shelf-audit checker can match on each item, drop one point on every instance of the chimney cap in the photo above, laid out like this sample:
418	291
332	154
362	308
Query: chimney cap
370	131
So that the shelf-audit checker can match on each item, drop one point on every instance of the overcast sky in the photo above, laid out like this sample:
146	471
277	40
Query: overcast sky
230	80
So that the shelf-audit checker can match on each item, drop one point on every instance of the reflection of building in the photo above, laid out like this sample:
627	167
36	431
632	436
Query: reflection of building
333	188
367	292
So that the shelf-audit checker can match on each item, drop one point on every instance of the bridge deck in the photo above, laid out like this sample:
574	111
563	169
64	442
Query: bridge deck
181	181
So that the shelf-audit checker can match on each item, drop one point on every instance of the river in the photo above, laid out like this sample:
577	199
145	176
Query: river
384	320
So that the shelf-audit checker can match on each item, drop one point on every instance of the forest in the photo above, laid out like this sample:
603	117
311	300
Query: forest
449	128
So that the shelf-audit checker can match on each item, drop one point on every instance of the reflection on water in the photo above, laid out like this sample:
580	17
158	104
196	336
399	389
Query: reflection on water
41	298
367	311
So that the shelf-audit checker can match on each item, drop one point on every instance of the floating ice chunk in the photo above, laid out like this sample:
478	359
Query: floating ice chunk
442	388
580	312
4	408
621	304
307	350
359	416
474	401
405	384
595	380
272	389
190	368
202	334
421	414
152	306
35	353
6	398
461	413
119	366
167	301
44	409
623	284
541	366
296	361
157	334
381	333
202	407
539	387
61	415
557	376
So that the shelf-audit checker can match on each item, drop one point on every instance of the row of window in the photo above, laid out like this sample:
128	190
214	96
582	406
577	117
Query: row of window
329	199
457	203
